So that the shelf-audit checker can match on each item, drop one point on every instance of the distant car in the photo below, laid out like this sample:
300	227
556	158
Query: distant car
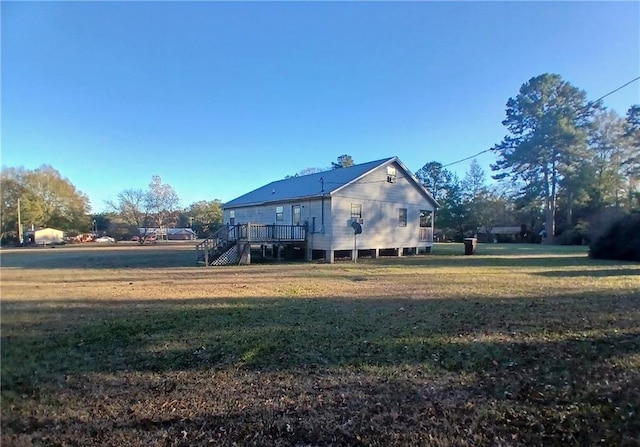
106	239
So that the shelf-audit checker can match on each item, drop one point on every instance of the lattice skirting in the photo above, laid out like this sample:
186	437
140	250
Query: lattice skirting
229	257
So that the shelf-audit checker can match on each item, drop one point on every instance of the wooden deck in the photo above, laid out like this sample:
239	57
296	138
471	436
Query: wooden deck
228	235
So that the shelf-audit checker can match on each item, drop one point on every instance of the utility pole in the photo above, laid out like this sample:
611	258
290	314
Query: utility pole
355	248
19	225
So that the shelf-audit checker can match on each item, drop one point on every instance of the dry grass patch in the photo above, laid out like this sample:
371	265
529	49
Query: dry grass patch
515	346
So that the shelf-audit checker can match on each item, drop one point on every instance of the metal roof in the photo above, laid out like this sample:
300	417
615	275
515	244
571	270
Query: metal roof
313	185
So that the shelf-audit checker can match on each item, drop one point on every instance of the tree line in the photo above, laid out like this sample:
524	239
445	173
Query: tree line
45	199
565	167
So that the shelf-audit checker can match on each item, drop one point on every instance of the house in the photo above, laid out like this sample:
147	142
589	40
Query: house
376	208
504	234
44	236
176	234
181	234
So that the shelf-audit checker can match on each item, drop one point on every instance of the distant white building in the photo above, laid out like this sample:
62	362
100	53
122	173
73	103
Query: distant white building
44	236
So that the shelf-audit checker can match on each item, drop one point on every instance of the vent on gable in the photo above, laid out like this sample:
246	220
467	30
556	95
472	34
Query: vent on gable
391	174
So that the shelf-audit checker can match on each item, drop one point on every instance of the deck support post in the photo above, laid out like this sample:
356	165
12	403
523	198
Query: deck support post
328	256
244	251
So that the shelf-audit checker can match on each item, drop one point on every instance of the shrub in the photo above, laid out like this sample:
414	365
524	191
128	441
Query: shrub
578	235
600	222
621	241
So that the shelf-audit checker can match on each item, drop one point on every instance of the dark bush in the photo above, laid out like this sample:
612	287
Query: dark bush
578	235
600	222
569	237
621	241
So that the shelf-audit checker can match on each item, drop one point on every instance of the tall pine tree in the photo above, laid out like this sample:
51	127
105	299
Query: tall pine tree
547	124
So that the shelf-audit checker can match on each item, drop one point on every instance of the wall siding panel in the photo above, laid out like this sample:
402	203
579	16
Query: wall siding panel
381	202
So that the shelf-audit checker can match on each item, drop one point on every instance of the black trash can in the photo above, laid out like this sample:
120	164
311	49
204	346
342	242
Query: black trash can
470	244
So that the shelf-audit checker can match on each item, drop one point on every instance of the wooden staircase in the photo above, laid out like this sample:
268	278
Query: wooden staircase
218	249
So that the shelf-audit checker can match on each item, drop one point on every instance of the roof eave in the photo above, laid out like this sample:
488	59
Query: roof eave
283	200
418	184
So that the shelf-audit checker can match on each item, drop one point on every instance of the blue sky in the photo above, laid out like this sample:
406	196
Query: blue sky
219	98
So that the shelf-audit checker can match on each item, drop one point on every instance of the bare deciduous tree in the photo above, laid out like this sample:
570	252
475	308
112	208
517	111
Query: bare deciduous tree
155	207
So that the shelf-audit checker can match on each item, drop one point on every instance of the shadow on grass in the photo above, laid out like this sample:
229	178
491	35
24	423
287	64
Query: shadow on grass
484	261
528	362
590	273
280	334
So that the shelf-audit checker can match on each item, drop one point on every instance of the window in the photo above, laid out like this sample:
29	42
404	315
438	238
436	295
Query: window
356	210
391	174
279	213
402	217
232	217
426	218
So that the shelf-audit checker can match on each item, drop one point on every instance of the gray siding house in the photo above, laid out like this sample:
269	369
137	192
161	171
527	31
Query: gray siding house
381	198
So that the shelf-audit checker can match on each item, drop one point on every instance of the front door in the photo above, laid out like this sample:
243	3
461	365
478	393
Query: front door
296	217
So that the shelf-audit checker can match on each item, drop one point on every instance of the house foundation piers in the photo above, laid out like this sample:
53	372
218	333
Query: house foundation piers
331	256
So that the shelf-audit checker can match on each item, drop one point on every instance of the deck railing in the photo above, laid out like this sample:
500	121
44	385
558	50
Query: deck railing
271	233
426	234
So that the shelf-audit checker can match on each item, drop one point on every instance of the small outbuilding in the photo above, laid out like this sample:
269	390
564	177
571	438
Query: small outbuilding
181	234
505	234
44	236
171	234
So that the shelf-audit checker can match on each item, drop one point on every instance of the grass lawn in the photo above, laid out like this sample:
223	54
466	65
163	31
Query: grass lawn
127	345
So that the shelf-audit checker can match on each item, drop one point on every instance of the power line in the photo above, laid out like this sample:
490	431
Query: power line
466	158
613	91
590	104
